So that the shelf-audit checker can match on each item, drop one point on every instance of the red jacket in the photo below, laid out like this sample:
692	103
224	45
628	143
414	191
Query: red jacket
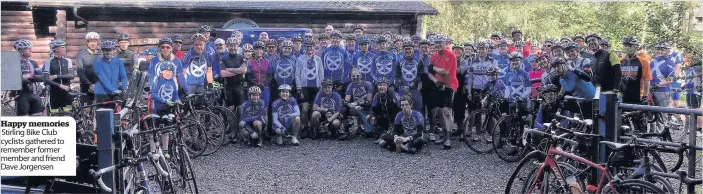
179	54
446	61
526	50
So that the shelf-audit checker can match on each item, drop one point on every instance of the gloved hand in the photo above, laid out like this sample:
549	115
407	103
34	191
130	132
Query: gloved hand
484	102
242	123
216	85
439	85
169	103
179	102
398	139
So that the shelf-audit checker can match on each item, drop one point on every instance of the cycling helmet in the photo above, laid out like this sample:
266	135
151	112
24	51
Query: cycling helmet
272	42
430	34
57	43
387	32
327	82
549	40
219	41
482	44
204	28
630	40
351	37
336	34
254	90
519	43
167	65
232	40
662	44
236	33
308	35
408	44
424	42
406	39
439	39
572	45
107	45
495	34
198	36
397	38
392	47
310	42
165	40
297	38
577	37
150	51
416	38
92	36
558	46
605	42
259	45
382	80
381	39
448	39
364	40
515	32
374	38
284	87
22	44
323	36
122	37
468	44
175	37
287	43
492	70
515	55
565	39
502	42
248	47
593	35
280	40
456	46
359	26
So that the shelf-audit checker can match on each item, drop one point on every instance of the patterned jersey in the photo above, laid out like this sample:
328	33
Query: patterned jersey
333	101
198	67
165	90
282	108
258	73
662	68
336	61
409	71
410	122
384	65
495	89
476	77
252	111
309	70
364	61
518	85
358	91
284	70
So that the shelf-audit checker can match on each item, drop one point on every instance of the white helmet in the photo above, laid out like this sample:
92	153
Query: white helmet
92	36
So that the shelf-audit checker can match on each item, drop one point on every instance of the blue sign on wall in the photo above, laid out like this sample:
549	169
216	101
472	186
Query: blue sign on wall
239	23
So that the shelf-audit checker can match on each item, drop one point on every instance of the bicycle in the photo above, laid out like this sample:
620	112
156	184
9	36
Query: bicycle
479	125
213	123
507	135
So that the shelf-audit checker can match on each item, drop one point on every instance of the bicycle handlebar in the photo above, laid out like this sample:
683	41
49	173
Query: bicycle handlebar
97	175
683	177
567	97
588	122
540	133
631	113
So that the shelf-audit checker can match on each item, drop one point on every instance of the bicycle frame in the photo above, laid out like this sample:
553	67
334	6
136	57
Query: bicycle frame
550	163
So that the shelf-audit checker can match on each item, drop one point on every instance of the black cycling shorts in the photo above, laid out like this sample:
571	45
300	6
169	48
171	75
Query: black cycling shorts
693	100
28	104
309	94
59	98
234	95
89	96
445	98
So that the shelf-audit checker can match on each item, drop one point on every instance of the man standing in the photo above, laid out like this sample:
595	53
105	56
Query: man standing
124	54
198	65
233	68
606	66
84	63
444	65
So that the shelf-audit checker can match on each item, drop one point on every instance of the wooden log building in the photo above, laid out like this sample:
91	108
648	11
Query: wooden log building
146	21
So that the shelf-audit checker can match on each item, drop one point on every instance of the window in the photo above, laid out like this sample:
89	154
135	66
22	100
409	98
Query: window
699	19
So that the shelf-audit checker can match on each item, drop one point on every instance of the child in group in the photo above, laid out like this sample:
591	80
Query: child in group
164	96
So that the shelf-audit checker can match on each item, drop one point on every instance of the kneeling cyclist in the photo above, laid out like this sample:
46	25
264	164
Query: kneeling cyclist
358	98
327	107
383	107
286	116
253	113
28	102
409	126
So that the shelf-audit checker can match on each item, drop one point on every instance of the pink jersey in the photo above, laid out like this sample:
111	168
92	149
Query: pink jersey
536	80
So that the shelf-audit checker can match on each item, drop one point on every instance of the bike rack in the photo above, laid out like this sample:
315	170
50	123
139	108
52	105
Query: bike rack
609	118
104	124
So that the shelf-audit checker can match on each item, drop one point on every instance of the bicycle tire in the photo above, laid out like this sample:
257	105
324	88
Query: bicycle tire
481	146
187	164
214	129
529	163
194	137
513	139
230	122
628	184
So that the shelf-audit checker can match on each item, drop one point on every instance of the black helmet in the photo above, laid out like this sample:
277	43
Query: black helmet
382	80
165	40
359	26
323	36
350	37
297	38
593	35
381	39
309	42
327	82
259	45
572	46
424	42
204	28
630	40
515	32
408	44
122	37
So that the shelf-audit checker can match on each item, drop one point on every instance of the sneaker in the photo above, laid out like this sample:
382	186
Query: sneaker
447	144
431	136
294	141
402	146
259	143
254	135
381	143
167	156
278	131
377	141
279	140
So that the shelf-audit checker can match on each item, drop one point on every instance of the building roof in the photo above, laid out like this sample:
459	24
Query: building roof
302	7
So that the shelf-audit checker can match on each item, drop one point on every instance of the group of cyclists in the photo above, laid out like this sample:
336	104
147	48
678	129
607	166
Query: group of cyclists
312	87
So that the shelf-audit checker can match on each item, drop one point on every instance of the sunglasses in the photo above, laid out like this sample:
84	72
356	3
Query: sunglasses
271	47
178	42
219	45
547	45
404	104
165	47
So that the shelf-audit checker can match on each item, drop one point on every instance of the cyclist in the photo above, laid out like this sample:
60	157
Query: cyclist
165	54
575	86
237	35
469	51
58	72
636	73
199	66
547	47
517	83
416	42
502	58
558	51
128	57
308	80
443	63
495	40
323	41
264	37
384	105
326	111
84	66
605	44
583	48
676	85
284	68
164	95
336	63
476	75
209	45
28	102
248	51
408	74
575	60
606	66
233	69
110	72
663	71
271	50
565	40
178	45
693	84
494	89
258	72
358	99
286	116
359	30
409	126
298	49
253	113
373	44
459	105
220	49
363	60
384	62
519	48
351	46
535	75
143	66
329	29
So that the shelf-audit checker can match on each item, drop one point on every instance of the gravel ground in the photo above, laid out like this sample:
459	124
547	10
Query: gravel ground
354	166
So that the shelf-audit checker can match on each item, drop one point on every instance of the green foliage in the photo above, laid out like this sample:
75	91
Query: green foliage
651	22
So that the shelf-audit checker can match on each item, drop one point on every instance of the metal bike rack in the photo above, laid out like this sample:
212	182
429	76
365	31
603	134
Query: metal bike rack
609	119
104	123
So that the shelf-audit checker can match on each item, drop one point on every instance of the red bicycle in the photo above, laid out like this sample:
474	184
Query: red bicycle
547	173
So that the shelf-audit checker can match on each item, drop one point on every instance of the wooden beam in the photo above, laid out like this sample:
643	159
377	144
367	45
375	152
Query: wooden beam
94	24
16	13
18	19
135	30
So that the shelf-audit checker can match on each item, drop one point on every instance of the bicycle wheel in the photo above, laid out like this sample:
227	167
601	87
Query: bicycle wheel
194	136
478	132
230	123
214	129
187	172
524	169
547	182
507	139
631	186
